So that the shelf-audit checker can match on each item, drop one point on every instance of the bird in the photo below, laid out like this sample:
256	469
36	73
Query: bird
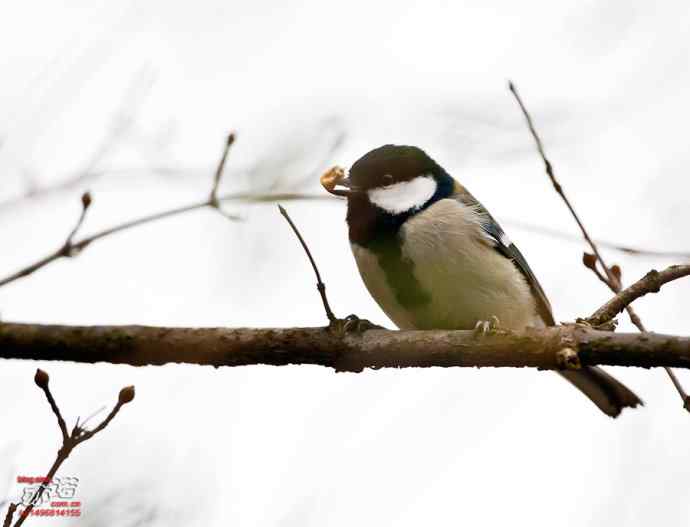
433	257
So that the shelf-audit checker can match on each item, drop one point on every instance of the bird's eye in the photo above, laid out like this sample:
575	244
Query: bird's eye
387	179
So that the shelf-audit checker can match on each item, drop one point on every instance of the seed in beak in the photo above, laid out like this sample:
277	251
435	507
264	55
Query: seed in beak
332	178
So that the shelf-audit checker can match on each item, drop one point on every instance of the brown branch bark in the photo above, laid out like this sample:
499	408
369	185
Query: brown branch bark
551	348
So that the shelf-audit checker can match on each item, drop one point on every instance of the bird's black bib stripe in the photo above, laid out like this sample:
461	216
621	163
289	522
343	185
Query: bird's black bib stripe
399	272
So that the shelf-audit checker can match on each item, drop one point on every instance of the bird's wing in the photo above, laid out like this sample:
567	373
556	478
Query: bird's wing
498	238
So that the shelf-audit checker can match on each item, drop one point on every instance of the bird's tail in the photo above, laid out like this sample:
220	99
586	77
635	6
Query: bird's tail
610	395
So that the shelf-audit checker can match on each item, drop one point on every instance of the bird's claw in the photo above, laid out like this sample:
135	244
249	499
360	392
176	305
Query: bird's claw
486	327
611	325
353	324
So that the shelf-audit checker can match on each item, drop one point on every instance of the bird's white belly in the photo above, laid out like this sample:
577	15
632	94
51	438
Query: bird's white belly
465	278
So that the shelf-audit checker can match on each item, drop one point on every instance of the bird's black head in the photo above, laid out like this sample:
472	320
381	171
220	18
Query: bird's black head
390	164
387	186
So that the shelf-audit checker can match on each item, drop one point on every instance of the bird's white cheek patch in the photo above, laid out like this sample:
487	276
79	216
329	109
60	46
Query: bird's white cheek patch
403	196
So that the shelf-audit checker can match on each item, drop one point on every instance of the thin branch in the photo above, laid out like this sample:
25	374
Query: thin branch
319	283
79	245
85	204
126	396
556	185
41	379
69	442
590	262
68	249
213	197
536	348
612	279
649	283
73	248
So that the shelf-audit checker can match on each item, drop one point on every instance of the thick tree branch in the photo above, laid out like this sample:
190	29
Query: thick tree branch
551	348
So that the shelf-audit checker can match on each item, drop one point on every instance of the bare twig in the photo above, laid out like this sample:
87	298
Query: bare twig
77	246
590	262
319	283
68	249
213	200
612	279
41	379
69	442
650	283
126	396
73	248
85	204
556	185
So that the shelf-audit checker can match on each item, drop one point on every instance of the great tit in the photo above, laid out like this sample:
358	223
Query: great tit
434	258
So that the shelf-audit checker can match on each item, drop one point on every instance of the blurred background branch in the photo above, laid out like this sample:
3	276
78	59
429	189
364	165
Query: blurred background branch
120	127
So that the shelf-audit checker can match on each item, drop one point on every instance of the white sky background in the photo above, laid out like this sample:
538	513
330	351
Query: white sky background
260	446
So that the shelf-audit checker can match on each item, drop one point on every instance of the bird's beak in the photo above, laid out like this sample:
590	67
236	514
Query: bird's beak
335	177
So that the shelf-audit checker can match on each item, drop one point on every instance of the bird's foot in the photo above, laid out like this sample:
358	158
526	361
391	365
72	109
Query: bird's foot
486	327
611	325
353	324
